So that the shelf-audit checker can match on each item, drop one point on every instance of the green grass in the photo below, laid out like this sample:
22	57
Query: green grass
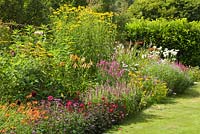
178	115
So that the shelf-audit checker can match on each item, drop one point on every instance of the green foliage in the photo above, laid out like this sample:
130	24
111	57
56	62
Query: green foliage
177	81
194	73
34	12
149	90
60	68
24	65
169	9
61	122
11	120
176	34
4	36
24	11
110	5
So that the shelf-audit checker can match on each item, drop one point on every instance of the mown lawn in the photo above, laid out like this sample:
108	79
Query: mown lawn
178	115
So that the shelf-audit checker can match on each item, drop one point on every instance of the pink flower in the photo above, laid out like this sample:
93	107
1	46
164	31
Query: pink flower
114	106
69	103
89	103
50	98
81	105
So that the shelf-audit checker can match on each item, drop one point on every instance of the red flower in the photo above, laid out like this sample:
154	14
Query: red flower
111	110
50	98
114	105
103	98
33	93
89	103
81	105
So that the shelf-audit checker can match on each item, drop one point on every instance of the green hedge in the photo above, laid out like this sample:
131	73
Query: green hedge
168	9
176	34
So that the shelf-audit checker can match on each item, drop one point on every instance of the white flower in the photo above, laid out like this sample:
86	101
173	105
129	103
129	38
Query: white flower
160	48
154	47
166	49
166	54
144	56
174	53
38	32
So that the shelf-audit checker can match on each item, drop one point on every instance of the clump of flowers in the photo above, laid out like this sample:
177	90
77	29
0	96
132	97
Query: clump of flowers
166	54
110	71
76	115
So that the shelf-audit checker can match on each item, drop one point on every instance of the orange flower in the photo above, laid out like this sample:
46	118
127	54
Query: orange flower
7	115
62	64
28	96
35	102
3	131
12	105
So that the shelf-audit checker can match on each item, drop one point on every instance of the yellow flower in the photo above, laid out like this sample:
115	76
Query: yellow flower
62	64
74	57
35	102
75	65
84	65
82	59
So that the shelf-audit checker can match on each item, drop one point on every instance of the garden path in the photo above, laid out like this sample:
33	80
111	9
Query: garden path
178	115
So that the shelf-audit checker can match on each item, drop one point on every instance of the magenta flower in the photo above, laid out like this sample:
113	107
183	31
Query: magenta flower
50	98
81	105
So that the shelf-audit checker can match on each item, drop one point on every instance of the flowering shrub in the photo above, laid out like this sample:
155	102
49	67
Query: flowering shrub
19	118
84	32
110	72
149	90
177	80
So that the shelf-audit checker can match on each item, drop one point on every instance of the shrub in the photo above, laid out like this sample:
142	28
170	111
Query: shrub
176	34
150	90
194	73
177	80
24	65
4	36
168	9
84	32
32	12
33	64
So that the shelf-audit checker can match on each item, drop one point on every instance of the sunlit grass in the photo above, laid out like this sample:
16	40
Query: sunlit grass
179	115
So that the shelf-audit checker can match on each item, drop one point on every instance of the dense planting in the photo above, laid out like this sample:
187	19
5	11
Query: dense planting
176	34
72	76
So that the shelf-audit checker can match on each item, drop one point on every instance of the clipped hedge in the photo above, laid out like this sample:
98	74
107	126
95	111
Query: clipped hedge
176	34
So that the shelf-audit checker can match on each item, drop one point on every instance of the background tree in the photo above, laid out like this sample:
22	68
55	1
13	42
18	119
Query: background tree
35	12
